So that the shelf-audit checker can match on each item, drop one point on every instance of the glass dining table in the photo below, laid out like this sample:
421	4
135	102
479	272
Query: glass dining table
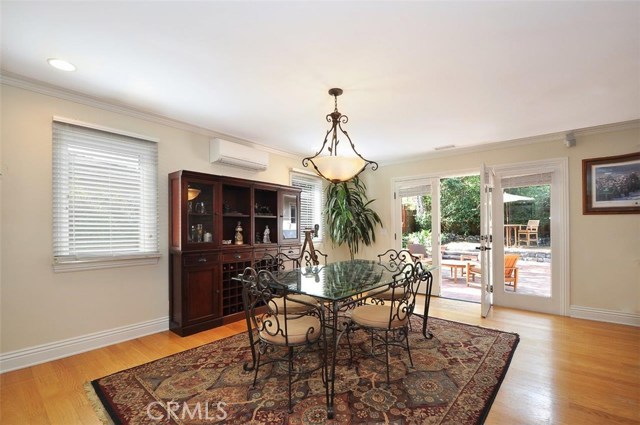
336	284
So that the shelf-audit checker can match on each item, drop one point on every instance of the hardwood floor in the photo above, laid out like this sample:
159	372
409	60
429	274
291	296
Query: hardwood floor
565	371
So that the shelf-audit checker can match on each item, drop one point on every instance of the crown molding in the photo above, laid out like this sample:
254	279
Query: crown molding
557	136
21	82
605	128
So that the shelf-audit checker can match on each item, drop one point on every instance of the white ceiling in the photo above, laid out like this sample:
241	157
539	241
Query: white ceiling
416	75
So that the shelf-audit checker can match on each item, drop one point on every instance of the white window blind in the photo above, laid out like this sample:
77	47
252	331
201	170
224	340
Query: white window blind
419	190
105	195
526	180
311	202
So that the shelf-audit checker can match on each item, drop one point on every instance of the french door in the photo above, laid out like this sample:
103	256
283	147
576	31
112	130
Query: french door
542	264
422	196
486	239
499	236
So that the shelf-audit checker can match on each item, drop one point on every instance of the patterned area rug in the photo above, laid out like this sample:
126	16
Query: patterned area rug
455	378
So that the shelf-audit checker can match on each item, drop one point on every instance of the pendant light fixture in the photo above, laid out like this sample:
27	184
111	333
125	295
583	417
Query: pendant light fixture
333	165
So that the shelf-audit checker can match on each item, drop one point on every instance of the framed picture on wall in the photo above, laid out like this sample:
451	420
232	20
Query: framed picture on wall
611	185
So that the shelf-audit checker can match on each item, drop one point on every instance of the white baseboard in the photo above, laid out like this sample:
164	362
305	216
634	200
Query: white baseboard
55	350
601	315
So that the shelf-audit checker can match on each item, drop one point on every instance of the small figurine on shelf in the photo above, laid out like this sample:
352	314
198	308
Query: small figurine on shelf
257	237
199	233
266	238
239	238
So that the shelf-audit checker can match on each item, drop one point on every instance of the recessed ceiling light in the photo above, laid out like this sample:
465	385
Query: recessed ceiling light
61	64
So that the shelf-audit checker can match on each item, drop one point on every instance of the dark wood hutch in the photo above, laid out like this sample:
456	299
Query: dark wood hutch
205	212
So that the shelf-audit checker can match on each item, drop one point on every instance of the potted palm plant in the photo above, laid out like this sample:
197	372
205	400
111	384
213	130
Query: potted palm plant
350	218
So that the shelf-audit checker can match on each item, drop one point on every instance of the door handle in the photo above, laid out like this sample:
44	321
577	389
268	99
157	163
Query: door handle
483	248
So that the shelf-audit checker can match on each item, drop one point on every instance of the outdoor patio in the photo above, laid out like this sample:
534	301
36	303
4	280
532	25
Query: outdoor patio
534	274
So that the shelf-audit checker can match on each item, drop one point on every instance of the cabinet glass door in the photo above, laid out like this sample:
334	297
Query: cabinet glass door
200	213
290	217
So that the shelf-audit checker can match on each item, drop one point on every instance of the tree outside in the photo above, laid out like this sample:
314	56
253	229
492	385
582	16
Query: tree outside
460	211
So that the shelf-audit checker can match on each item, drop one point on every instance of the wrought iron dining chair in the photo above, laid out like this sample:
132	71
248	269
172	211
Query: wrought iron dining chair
281	330
305	259
388	322
394	260
279	262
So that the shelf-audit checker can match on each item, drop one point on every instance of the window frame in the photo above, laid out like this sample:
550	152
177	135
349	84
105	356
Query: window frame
62	263
309	177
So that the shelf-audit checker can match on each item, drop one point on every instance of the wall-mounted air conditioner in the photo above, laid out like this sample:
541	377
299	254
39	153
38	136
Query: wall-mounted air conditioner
237	155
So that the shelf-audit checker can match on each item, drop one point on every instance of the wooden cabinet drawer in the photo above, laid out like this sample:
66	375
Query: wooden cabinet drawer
292	251
260	253
237	256
199	259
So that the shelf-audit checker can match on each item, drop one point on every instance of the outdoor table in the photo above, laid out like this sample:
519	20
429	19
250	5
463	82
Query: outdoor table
510	229
454	266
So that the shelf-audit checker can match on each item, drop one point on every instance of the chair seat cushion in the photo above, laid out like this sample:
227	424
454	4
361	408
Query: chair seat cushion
386	294
377	316
293	306
297	329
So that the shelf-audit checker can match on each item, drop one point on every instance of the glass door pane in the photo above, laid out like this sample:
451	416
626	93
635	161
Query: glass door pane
289	216
527	239
416	205
532	202
200	212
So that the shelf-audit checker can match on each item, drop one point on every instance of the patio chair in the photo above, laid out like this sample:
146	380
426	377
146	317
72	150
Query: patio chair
529	233
510	271
418	250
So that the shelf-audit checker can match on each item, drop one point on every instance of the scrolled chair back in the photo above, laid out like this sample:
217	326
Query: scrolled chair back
276	317
394	260
307	260
404	288
270	262
400	290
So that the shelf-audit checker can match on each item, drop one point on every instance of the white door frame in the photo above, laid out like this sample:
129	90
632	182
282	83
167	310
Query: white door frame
559	301
434	180
486	238
396	202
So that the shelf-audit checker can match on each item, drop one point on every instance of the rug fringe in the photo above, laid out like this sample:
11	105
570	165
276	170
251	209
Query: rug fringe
97	405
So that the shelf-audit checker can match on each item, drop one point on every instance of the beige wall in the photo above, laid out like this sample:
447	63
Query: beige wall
40	306
604	249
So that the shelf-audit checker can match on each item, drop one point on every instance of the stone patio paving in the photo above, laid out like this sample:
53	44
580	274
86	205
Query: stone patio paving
534	278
